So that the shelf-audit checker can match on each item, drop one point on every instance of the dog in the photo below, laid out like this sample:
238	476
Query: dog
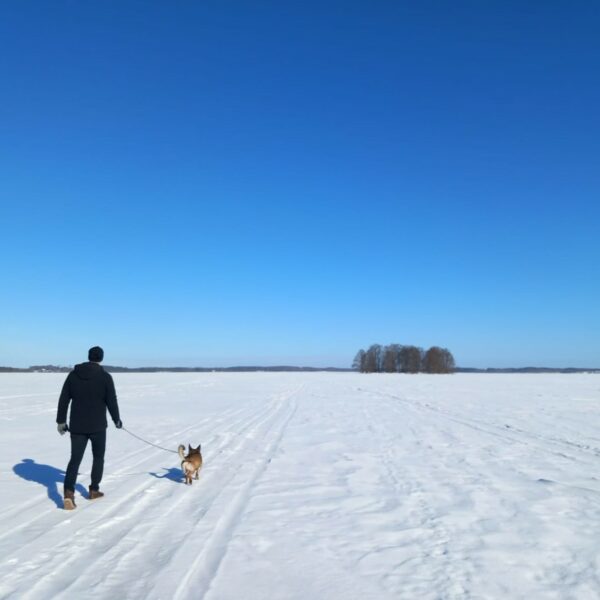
190	464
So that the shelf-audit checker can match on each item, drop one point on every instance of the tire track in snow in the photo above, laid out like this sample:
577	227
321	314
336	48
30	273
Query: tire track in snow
33	507
166	531
39	502
181	521
116	535
500	431
64	527
205	566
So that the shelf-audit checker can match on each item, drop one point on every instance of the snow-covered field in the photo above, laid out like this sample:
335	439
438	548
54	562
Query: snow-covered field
315	486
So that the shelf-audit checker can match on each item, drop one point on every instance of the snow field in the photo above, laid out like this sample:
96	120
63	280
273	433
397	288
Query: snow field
315	485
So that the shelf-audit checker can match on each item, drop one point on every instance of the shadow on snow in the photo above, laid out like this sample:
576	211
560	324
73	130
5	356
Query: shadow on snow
174	475
50	477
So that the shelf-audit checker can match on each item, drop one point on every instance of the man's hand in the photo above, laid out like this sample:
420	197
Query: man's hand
62	428
119	424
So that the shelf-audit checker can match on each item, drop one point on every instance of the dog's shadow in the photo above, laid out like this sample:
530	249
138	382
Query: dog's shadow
50	477
174	475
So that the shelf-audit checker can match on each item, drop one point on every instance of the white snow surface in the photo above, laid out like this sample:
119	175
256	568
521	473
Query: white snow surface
315	486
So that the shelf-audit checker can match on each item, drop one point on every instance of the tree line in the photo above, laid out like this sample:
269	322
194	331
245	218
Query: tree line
397	358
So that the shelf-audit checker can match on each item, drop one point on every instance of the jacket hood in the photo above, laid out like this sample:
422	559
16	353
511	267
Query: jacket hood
88	370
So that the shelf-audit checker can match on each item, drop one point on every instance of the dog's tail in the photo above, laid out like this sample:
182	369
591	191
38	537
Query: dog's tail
181	451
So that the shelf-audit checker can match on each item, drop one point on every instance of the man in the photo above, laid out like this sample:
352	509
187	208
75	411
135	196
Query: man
92	391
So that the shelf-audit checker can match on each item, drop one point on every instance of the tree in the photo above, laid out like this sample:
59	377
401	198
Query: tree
438	360
410	358
358	364
395	358
373	359
390	361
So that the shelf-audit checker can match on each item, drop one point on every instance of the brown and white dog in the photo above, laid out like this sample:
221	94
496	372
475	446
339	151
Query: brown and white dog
190	464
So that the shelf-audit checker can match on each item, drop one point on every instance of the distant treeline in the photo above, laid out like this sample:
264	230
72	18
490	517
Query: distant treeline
397	358
527	370
36	369
410	364
114	369
249	369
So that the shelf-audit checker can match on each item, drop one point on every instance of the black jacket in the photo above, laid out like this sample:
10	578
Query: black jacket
92	390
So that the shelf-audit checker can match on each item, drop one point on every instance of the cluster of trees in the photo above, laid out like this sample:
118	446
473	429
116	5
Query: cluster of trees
397	358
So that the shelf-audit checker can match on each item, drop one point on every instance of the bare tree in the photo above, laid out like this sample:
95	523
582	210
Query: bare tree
358	364
395	358
410	358
373	359
438	360
390	361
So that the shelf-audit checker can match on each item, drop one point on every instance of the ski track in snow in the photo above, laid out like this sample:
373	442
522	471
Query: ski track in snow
32	508
313	486
144	515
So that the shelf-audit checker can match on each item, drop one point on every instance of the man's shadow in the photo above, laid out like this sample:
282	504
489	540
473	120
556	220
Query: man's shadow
174	475
45	475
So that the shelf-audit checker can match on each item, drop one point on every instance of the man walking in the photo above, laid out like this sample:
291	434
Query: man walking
92	391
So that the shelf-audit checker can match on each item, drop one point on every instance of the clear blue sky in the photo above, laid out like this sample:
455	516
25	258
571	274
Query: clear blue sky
221	183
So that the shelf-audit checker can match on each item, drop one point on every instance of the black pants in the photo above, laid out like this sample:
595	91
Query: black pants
78	443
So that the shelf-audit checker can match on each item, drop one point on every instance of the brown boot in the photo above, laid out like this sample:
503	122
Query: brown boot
95	494
69	501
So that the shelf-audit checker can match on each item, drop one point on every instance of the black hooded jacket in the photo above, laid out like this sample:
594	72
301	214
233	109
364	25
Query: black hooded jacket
92	391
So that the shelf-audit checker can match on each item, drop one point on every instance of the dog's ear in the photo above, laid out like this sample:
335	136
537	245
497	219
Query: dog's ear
189	448
199	446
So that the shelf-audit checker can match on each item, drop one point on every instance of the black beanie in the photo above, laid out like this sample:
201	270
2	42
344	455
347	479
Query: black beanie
96	354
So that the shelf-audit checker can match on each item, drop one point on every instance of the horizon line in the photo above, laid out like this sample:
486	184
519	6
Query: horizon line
284	367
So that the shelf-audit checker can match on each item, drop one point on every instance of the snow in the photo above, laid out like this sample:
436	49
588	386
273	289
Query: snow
315	485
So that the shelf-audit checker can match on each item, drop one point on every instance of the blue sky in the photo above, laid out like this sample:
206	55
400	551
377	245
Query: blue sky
220	183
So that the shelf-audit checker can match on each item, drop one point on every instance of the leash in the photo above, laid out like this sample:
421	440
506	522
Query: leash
147	442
